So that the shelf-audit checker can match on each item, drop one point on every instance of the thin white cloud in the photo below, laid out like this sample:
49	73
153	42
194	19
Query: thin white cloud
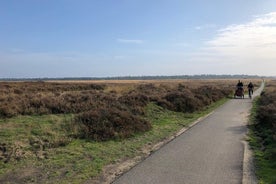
205	26
254	39
182	44
119	57
16	50
247	48
132	41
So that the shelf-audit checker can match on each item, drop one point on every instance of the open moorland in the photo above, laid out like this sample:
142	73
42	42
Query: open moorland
73	131
263	134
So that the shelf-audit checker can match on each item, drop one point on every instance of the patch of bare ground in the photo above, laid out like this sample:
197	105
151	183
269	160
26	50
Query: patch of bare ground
27	174
112	171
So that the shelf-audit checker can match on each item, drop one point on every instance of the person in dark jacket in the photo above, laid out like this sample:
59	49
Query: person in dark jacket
240	85
250	86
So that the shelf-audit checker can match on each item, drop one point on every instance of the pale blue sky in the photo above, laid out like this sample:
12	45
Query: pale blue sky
99	38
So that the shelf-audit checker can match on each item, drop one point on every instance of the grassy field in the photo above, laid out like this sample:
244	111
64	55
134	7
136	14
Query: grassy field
263	134
70	132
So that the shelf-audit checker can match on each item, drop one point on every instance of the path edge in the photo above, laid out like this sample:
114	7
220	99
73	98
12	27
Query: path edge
114	171
248	175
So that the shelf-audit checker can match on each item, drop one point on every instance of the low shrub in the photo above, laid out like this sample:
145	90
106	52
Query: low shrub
27	98
103	114
263	135
183	101
109	123
266	113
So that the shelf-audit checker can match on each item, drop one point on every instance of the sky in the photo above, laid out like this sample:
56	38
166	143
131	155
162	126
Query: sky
107	38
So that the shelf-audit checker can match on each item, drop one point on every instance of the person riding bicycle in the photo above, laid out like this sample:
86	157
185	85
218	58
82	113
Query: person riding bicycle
250	86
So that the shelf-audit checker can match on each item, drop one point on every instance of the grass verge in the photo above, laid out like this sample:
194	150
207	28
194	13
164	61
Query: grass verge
265	164
45	152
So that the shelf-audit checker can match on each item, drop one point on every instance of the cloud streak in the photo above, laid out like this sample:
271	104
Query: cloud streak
245	48
131	41
205	26
256	39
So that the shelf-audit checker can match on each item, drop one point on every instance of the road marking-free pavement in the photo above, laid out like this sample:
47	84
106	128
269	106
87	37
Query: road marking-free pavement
211	152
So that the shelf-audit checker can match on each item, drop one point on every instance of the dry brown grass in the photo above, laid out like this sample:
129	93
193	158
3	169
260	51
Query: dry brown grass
97	101
263	134
266	113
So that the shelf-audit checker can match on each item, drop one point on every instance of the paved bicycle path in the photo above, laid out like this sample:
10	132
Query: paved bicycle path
211	152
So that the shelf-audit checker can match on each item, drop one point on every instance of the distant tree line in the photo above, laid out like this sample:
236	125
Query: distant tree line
159	77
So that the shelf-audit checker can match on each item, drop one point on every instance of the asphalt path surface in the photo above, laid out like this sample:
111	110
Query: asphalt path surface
211	152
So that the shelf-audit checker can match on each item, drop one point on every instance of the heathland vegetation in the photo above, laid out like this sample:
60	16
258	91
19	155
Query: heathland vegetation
160	77
69	131
263	134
